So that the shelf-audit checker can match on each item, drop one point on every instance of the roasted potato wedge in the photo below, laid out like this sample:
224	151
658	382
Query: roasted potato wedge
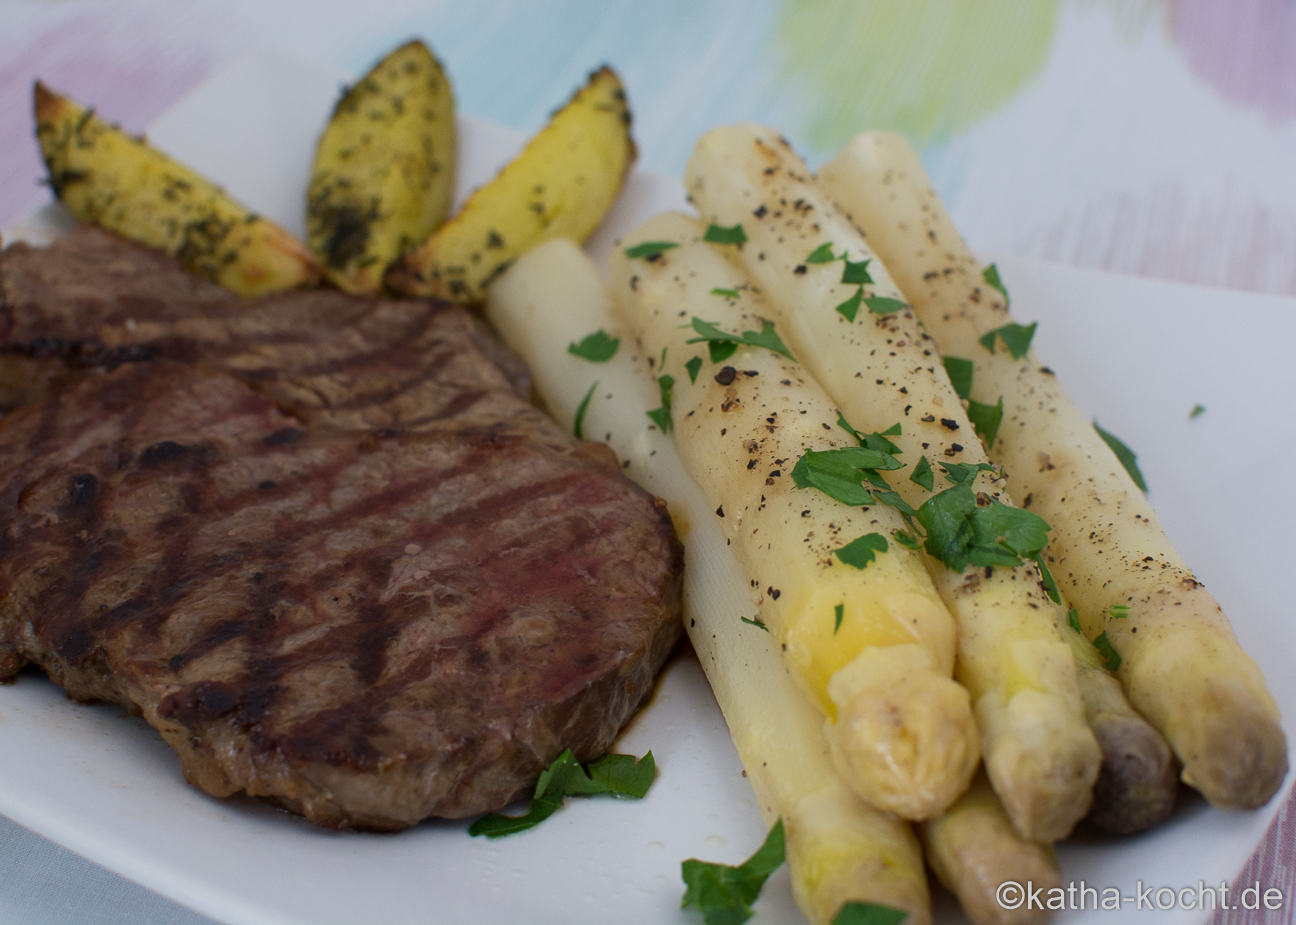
384	169
560	186
105	176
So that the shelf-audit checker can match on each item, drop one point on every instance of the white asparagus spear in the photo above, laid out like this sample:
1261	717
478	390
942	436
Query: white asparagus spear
880	369
839	848
1179	662
872	645
974	848
1139	780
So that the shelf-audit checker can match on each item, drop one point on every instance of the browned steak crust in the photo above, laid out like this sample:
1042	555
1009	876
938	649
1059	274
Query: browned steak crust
370	591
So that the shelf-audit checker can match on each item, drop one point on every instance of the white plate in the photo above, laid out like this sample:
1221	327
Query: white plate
1137	353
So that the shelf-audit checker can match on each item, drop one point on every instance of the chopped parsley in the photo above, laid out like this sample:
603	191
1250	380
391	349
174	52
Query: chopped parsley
906	540
693	366
662	416
860	551
1050	585
960	532
758	623
618	775
1120	611
839	473
881	305
986	420
922	474
579	427
727	343
1016	337
850	308
1125	455
1107	652
877	441
860	913
1197	411
891	498
724	894
649	250
959	371
991	275
964	473
718	234
855	273
727	293
838	611
822	254
1073	620
597	347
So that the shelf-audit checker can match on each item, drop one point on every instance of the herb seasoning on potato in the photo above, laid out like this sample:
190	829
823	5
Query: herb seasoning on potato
109	178
384	169
560	186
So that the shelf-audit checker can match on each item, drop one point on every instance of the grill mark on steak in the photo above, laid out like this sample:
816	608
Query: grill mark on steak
369	582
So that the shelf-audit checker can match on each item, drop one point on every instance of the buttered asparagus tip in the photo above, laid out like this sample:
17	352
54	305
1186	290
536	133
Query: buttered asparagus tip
974	849
905	740
1240	756
1139	779
1041	744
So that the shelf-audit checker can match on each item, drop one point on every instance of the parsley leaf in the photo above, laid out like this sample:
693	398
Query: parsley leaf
662	416
860	913
959	371
618	775
839	473
1125	455
893	499
727	293
964	473
1197	411
922	474
986	420
821	254
767	339
1120	611
597	347
961	533
881	305
724	894
649	250
718	234
1073	620
850	308
1050	585
859	552
1107	652
906	540
991	275
756	623
579	426
623	775
838	611
712	335
876	441
693	366
1016	337
720	350
856	274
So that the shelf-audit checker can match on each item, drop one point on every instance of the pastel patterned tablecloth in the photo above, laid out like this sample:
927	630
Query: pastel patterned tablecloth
1140	136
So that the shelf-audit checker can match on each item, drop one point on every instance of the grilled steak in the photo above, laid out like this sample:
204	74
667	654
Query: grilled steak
320	543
